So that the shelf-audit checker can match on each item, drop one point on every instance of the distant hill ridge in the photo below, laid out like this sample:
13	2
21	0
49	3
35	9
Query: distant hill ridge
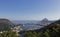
6	21
52	30
47	27
5	24
45	22
45	19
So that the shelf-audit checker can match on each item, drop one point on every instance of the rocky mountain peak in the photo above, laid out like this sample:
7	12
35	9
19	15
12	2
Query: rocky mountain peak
45	19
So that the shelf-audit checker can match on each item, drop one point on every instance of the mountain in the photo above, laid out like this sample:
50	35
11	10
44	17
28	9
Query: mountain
5	24
51	30
45	22
54	25
45	19
50	26
6	21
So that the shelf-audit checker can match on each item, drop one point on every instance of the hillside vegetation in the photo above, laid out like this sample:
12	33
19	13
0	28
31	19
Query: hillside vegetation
52	30
5	24
5	28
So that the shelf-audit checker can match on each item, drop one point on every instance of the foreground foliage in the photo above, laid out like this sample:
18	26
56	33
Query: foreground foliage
54	31
8	34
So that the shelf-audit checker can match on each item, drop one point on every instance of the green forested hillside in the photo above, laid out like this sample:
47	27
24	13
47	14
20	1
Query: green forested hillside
8	34
52	30
5	24
4	27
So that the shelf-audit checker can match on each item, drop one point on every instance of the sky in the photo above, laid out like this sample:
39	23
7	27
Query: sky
30	9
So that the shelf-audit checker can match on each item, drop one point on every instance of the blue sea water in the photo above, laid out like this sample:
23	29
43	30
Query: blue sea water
31	27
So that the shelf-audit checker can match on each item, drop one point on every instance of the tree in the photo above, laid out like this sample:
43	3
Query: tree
8	34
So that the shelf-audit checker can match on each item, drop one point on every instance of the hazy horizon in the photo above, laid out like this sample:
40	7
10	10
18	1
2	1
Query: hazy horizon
30	9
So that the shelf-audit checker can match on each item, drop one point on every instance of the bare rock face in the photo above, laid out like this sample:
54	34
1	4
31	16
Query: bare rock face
6	21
